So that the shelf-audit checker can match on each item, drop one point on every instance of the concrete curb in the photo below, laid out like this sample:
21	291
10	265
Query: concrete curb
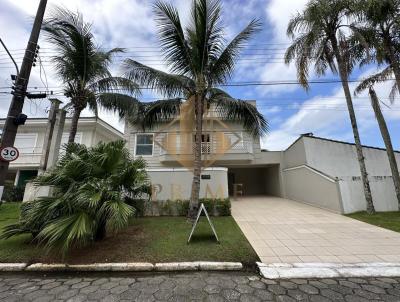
122	267
328	270
176	266
12	267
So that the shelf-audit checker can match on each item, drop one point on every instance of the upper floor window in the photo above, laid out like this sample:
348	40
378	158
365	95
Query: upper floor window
144	144
205	138
26	142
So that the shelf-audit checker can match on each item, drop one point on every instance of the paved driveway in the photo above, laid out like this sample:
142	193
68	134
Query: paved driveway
282	230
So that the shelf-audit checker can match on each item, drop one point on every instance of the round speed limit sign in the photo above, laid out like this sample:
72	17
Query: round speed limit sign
9	154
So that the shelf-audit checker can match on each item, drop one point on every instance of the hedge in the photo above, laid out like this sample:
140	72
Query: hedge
215	207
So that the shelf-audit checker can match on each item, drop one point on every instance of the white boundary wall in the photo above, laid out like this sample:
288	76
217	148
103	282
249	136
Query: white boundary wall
382	189
176	183
309	186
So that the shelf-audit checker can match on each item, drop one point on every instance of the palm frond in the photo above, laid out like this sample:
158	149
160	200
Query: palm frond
123	104
118	213
116	84
172	38
393	92
62	233
222	67
300	51
204	35
169	85
382	76
239	111
157	112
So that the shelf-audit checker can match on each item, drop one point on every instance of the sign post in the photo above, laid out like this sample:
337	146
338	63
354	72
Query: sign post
9	154
201	209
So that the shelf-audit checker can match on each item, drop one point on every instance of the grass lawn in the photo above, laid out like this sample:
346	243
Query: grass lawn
152	239
387	220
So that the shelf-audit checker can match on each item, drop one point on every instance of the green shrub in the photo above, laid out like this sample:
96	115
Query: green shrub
218	206
182	207
223	207
209	204
165	208
92	189
13	194
139	205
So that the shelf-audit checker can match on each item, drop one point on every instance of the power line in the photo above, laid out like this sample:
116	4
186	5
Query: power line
158	46
242	84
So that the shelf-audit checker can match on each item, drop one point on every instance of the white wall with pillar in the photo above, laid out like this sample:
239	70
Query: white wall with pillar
176	183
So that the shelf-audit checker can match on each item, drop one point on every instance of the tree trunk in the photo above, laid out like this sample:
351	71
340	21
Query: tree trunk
74	125
388	143
393	62
360	155
194	198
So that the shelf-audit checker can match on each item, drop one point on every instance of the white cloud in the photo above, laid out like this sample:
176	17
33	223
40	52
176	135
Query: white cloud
273	109
278	14
327	116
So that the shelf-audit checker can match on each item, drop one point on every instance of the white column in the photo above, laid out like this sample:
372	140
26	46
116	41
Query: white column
17	177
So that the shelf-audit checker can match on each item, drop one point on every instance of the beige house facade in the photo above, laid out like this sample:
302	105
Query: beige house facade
313	170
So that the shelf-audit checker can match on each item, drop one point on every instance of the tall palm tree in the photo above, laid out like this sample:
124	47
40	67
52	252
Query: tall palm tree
321	40
378	23
84	68
199	62
385	135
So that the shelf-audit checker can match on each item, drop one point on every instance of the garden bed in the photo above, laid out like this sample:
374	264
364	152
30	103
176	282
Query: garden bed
148	239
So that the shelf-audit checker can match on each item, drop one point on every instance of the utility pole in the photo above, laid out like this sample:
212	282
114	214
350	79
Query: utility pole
21	84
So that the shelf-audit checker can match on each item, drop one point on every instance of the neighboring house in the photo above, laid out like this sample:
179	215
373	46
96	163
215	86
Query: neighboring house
314	170
30	139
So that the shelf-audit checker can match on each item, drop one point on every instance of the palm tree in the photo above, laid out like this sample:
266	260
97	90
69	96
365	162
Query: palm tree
378	25
199	62
84	68
93	192
321	40
385	135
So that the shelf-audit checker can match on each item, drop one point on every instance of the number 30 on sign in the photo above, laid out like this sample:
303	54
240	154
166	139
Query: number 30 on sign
9	154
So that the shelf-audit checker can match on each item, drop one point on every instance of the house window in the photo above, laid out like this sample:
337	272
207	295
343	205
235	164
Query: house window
144	144
205	143
26	142
205	138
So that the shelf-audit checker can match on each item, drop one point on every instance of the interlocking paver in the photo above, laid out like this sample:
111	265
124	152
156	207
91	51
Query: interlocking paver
374	289
244	289
308	289
230	294
277	289
203	286
298	295
288	284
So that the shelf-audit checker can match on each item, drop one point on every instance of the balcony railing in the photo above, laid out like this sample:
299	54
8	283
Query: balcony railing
229	143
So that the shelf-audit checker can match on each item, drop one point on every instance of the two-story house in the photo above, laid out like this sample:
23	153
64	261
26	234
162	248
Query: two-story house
31	137
317	171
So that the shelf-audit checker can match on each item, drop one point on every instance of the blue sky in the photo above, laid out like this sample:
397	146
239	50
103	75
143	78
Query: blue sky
129	23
